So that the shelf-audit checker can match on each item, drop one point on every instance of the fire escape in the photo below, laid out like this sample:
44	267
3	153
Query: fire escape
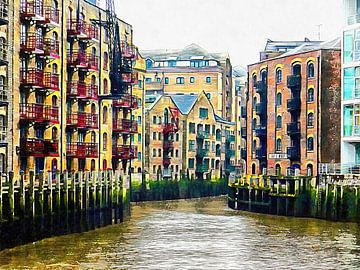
82	90
169	131
36	51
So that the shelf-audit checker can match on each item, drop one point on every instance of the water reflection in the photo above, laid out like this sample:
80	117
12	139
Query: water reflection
197	234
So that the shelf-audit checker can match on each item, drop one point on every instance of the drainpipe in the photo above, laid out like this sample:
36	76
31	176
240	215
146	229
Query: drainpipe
100	100
62	111
318	114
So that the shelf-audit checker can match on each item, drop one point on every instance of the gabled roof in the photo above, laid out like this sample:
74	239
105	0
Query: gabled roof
190	52
184	102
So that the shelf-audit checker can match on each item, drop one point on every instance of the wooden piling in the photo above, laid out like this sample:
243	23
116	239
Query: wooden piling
100	189
41	194
81	190
73	191
50	194
58	193
32	195
87	195
66	191
22	192
11	196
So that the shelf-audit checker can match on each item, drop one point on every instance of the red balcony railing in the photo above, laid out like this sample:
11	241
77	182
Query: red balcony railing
77	59
126	101
128	51
168	144
51	81
82	120
170	127
92	91
82	150
166	162
93	62
76	89
51	48
39	113
51	15
32	9
32	147
125	126
93	32
130	77
51	148
125	152
32	77
32	43
82	30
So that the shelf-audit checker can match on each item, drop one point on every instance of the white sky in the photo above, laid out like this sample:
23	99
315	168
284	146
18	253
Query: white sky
239	27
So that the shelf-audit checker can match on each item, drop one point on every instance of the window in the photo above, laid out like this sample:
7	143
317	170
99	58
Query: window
160	136
311	95
180	80
106	89
310	144
104	141
311	120
139	120
148	80
191	163
132	138
154	136
139	102
105	61
278	145
192	128
139	156
172	63
254	144
203	113
213	146
154	119
176	153
278	121
254	101
149	63
154	152
208	95
278	76
208	79
140	84
254	80
159	151
192	79
139	137
105	115
191	145
278	99
213	130
311	70
159	120
154	169
166	80
177	137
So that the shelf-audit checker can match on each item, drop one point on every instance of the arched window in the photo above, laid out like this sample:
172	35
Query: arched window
54	101
311	95
309	170
54	133
311	70
254	123
264	76
254	79
139	170
105	114
159	120
54	68
278	169
278	145
2	163
93	80
106	89
278	121
154	152
104	164
253	169
54	37
92	168
93	137
149	63
93	108
54	165
278	99
254	145
310	144
154	169
159	152
106	60
254	101
217	164
296	69
310	120
104	141
278	75
166	116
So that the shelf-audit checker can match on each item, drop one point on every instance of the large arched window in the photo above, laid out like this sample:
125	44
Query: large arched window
254	101
278	121
278	75
54	101
278	99
296	69
311	95
278	169
105	141
106	60
310	119
106	87
54	133
309	169
105	114
253	169
278	145
166	116
93	109
254	79
93	137
92	167
149	63
310	144
311	70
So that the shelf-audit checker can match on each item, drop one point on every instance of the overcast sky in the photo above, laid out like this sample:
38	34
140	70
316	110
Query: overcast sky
240	27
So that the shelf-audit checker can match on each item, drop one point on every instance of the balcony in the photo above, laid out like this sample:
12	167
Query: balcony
128	51
201	168
244	132
131	78
39	113
51	48
202	152
168	144
32	43
293	104
243	112
293	153
243	153
51	17
261	87
31	78
125	126
82	150
170	127
51	148
293	128
230	153
82	30
32	147
125	152
260	131
353	19
91	92
3	55
51	81
32	10
260	153
4	12
126	101
82	120
293	81
260	108
77	59
3	136
4	95
202	135
230	138
76	89
93	62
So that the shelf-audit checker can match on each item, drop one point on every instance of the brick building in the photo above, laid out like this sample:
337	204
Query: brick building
293	108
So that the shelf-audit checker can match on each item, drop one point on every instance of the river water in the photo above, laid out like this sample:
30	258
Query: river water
196	234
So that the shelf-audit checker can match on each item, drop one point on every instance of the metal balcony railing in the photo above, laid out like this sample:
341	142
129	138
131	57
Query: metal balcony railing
32	147
130	78
76	89
127	50
51	15
126	101
293	104
82	30
77	59
4	12
125	126
93	62
32	43
293	153
51	148
32	9
51	48
82	120
82	150
32	77
293	128
125	152
293	81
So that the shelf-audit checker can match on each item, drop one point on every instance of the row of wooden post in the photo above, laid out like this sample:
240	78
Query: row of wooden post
37	198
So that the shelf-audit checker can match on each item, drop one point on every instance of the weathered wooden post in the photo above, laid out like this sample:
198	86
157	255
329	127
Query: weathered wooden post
73	191
50	197
106	180
11	196
22	193
32	195
41	194
100	189
87	195
94	190
58	192
66	191
81	189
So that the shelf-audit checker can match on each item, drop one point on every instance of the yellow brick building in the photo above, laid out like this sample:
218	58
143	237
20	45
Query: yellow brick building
64	117
185	138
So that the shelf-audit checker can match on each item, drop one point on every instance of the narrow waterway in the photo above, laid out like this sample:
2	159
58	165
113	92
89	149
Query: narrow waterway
197	234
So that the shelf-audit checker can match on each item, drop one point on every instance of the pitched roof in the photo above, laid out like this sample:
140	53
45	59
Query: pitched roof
184	101
190	52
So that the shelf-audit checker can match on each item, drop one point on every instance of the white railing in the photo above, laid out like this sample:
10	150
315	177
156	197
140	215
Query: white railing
338	169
